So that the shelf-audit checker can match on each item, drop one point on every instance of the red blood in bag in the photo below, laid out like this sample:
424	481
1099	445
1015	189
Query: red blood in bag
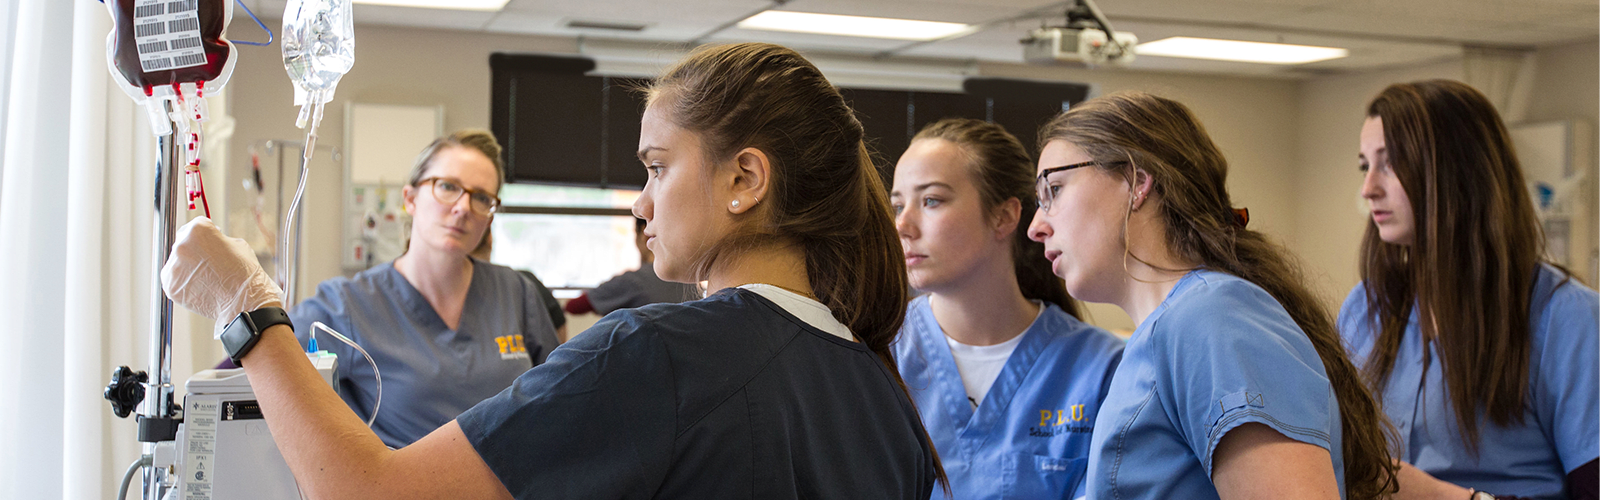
126	59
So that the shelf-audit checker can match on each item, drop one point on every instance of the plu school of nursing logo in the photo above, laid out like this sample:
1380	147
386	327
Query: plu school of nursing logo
511	347
1055	422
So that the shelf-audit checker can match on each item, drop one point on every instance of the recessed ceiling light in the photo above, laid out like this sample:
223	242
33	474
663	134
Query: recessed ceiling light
1234	50
831	24
605	25
489	5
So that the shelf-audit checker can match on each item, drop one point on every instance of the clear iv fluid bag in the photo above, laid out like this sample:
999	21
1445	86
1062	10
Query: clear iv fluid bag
318	44
165	42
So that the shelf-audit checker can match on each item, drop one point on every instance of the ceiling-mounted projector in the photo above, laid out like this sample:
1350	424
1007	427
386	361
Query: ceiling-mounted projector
1086	46
1087	39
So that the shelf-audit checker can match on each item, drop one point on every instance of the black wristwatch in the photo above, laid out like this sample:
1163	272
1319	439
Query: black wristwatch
244	331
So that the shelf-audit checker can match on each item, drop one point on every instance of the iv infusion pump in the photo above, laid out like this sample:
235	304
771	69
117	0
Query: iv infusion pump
224	450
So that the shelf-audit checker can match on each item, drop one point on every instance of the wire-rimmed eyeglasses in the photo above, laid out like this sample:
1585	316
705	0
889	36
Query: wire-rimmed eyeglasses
1045	192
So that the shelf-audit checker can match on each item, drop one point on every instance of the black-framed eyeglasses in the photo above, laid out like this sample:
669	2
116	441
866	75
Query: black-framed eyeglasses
1047	193
448	191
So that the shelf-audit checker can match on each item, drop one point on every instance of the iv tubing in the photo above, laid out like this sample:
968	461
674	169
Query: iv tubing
289	258
127	477
317	325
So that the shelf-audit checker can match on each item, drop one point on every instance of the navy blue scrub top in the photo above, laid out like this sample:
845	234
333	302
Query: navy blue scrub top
431	373
1560	428
725	397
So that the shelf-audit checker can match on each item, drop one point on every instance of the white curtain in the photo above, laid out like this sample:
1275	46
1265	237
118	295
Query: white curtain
1504	76
75	212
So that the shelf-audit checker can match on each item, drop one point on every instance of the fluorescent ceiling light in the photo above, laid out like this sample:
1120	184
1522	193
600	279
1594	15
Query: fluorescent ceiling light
488	5
830	24
1234	50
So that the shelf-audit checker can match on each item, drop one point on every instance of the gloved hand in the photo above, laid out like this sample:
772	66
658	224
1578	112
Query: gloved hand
216	276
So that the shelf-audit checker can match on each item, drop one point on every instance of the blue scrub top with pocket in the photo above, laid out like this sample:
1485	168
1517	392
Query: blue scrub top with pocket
1029	439
1219	352
1560	428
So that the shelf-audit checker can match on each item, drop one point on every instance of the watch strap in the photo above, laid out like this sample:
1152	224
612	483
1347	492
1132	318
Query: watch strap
245	330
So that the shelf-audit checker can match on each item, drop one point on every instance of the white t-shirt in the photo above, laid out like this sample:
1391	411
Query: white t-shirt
808	310
979	365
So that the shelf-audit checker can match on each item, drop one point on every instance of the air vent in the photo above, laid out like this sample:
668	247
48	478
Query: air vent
605	25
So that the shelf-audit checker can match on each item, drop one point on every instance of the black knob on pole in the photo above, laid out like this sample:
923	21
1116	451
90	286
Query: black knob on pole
126	390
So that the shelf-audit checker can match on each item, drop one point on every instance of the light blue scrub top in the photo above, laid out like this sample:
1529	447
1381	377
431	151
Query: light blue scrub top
1029	438
1560	427
1219	352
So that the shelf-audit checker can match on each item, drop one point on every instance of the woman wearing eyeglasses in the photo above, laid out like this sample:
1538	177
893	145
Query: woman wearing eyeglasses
1007	380
1235	384
446	330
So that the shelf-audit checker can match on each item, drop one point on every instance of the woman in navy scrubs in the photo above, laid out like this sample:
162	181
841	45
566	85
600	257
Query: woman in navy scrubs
1235	384
780	384
1484	353
1007	379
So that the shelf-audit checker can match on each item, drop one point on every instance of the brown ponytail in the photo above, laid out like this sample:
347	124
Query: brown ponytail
825	195
1163	138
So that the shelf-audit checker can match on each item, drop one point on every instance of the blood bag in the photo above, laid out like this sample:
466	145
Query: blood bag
170	50
166	54
170	41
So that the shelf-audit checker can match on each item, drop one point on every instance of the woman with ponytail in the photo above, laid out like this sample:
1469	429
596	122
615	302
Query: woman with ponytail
1483	352
1007	379
778	385
1234	384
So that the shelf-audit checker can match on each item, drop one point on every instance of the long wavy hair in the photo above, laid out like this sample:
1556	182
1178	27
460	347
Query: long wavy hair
1470	270
1162	137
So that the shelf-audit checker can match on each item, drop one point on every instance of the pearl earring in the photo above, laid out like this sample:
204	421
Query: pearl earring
735	203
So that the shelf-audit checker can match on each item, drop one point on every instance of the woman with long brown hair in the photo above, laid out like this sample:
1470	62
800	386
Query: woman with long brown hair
1007	379
1484	353
1234	384
780	384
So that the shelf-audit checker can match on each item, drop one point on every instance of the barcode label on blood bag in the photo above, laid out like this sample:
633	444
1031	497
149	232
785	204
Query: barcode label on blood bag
184	43
167	34
151	29
183	25
189	60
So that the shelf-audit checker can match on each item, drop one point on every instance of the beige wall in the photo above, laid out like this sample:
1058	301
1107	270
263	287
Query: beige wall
1565	87
393	66
1251	118
1329	211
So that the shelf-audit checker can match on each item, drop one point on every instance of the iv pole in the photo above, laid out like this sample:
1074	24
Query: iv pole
157	417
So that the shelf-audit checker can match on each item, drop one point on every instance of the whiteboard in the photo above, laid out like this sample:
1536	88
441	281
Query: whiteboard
384	139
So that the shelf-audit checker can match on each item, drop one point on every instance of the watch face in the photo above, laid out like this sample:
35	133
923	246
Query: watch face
237	334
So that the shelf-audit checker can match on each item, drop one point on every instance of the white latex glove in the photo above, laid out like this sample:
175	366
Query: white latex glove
215	275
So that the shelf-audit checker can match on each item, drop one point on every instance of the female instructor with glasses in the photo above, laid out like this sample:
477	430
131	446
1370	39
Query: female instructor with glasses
446	330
